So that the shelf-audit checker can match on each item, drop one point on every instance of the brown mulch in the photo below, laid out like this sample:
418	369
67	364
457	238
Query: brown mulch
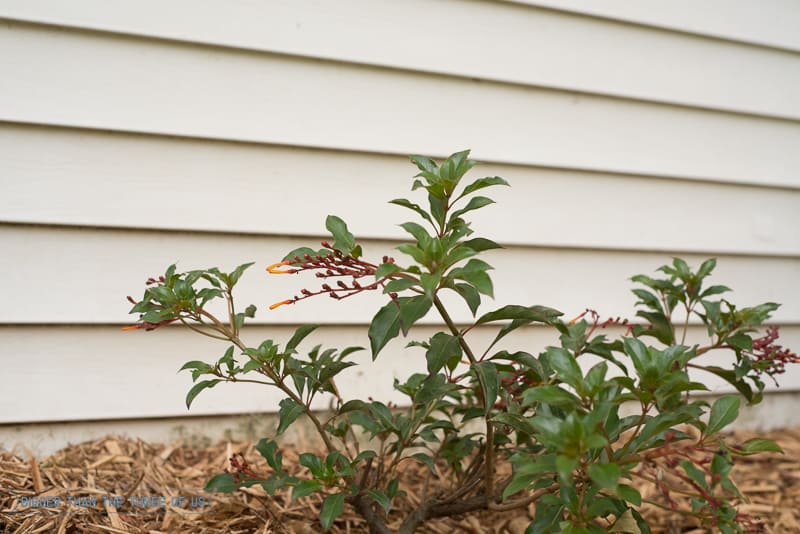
82	475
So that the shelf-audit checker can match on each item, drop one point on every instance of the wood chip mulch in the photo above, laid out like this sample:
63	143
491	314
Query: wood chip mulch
115	485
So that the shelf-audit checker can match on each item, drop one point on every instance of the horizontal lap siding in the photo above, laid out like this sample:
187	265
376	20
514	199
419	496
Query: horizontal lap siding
771	23
155	87
75	177
106	265
102	373
224	132
486	40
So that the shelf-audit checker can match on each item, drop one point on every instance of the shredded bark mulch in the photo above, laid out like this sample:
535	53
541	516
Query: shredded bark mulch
118	485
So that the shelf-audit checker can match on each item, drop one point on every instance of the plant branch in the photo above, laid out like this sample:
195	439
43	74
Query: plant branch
487	416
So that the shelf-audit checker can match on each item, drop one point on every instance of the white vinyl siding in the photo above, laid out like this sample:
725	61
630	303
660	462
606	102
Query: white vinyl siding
135	134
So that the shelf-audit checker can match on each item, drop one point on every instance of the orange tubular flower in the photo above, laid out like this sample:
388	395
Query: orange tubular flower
275	268
281	303
132	327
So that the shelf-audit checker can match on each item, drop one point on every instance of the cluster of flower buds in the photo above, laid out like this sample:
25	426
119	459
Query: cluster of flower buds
160	280
596	323
331	265
241	468
765	350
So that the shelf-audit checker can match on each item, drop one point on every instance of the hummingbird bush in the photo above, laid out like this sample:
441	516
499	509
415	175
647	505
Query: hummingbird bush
497	429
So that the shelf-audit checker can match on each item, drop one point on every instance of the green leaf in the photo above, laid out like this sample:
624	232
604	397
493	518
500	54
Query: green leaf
197	365
740	341
222	483
414	251
706	267
197	388
237	273
425	459
552	395
305	487
396	316
302	251
418	232
331	509
473	204
565	366
414	207
343	239
299	335
269	450
480	183
487	374
714	290
470	296
755	445
629	494
480	244
288	413
723	412
424	163
399	284
380	498
385	269
539	314
444	348
605	475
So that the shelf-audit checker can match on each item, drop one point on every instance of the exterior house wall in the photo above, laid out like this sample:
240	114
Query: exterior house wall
221	132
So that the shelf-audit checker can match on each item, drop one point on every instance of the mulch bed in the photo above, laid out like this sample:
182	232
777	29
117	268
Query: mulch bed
128	469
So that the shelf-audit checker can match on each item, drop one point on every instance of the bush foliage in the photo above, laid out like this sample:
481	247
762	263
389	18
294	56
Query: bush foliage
561	428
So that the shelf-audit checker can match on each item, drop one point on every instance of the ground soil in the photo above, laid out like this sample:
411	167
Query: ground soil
82	475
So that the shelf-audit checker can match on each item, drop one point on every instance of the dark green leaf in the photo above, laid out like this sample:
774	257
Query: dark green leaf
410	205
714	290
553	395
305	487
269	450
629	494
380	498
539	314
479	244
706	268
195	364
443	349
237	273
487	374
299	335
331	509
418	232
386	269
605	474
424	163
395	316
470	296
723	412
222	483
344	240
754	445
288	413
565	366
480	183
302	251
473	204
425	459
197	388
